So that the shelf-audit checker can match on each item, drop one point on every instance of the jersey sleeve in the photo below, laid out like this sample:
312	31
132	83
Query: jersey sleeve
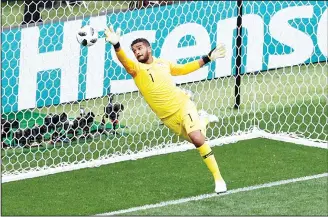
183	69
130	65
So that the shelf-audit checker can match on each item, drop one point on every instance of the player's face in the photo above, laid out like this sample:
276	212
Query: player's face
141	51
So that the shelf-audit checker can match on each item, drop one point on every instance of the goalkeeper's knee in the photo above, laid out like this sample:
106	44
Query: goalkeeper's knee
197	138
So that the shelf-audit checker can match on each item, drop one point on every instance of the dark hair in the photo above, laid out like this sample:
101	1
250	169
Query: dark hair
143	40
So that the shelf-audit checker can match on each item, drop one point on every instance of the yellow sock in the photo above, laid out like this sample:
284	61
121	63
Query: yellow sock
206	152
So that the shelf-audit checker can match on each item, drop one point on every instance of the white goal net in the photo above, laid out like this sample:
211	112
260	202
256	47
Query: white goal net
65	107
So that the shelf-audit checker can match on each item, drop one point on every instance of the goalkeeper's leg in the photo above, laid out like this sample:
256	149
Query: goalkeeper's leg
194	131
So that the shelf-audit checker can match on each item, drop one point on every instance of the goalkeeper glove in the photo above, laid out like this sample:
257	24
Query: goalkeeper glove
112	36
218	52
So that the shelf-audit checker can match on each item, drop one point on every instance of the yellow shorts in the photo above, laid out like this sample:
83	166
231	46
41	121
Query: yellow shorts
185	121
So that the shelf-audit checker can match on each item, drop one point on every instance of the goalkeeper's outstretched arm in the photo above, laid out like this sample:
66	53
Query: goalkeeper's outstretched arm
114	37
183	69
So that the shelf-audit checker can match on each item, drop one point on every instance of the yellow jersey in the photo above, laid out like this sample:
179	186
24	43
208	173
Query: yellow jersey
156	84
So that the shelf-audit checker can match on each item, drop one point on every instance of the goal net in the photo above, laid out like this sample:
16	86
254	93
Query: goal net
65	107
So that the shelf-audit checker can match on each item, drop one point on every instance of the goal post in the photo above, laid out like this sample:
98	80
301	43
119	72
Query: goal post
238	52
66	107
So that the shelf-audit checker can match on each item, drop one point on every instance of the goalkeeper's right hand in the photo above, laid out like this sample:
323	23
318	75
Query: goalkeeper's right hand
112	36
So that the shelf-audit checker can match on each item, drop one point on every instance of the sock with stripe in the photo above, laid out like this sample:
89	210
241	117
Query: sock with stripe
206	152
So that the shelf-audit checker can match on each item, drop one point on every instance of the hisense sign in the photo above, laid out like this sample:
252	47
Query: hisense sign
44	65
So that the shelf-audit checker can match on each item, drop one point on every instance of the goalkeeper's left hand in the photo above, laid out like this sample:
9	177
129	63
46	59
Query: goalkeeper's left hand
218	52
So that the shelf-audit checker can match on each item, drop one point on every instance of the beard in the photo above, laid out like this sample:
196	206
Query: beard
144	58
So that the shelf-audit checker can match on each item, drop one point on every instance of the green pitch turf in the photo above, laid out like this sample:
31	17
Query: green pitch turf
292	99
299	199
167	177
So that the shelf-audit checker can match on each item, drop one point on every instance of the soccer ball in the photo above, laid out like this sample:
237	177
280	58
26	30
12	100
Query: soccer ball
87	36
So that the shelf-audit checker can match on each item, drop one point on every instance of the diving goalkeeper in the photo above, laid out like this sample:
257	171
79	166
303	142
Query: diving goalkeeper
153	77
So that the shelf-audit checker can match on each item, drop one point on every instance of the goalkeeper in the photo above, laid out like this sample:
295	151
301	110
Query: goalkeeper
153	77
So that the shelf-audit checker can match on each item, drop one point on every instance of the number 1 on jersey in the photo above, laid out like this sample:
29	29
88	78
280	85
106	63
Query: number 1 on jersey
151	77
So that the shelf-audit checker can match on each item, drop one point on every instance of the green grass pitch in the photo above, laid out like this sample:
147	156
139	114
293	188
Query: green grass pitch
292	99
179	175
290	199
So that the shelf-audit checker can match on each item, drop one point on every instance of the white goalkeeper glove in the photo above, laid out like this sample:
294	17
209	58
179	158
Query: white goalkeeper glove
112	36
218	52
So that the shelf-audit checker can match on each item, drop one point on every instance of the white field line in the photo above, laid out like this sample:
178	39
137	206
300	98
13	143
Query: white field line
294	139
204	196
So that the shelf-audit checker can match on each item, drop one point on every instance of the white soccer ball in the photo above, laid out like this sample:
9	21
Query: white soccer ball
87	36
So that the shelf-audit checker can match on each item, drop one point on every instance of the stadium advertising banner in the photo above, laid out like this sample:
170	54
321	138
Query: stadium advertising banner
44	65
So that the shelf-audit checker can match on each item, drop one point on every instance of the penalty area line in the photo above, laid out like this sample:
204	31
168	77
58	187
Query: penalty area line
205	196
